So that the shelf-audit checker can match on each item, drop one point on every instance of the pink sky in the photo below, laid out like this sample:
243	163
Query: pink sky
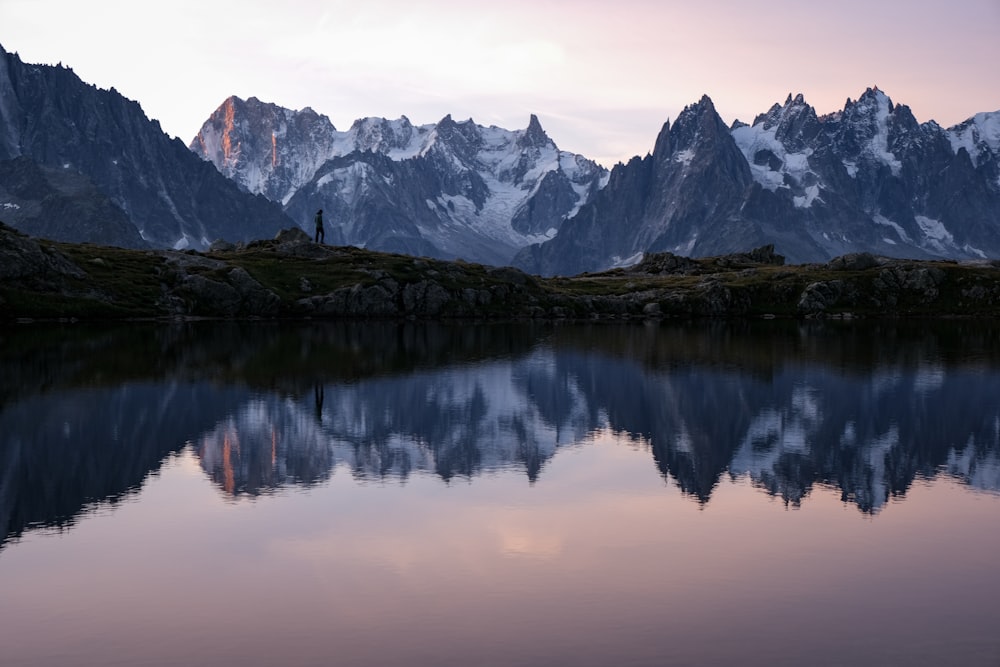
602	77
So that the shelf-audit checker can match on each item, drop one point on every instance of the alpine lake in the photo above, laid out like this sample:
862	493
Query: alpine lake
513	494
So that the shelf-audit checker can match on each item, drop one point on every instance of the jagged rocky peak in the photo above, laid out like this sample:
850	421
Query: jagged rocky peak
662	148
534	135
265	148
979	136
769	117
903	115
793	107
697	112
697	124
463	138
873	106
874	94
381	134
862	130
904	130
796	123
448	127
237	120
702	106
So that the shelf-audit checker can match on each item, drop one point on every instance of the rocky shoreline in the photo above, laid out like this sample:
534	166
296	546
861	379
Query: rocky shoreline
290	277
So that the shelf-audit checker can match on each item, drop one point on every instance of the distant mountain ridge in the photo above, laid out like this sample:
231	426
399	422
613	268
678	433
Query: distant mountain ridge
866	179
448	190
174	200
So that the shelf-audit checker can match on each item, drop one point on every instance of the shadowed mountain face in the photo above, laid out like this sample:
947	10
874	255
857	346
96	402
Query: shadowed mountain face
860	408
172	198
61	204
868	178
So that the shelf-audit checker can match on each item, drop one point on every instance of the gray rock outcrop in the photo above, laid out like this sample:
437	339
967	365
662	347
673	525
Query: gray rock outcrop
25	260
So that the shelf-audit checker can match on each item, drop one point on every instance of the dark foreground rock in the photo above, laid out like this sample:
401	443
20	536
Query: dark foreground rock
292	277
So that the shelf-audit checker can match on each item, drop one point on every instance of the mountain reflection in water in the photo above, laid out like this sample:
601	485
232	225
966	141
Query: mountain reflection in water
86	415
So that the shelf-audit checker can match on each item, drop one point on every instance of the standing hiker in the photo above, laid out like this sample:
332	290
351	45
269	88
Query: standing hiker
320	233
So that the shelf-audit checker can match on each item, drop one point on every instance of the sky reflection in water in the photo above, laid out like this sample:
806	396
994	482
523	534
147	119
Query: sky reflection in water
506	495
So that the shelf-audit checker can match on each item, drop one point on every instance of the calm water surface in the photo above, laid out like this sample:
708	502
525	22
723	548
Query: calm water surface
713	494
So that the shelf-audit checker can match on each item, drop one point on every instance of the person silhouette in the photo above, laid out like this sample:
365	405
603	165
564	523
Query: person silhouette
318	396
320	232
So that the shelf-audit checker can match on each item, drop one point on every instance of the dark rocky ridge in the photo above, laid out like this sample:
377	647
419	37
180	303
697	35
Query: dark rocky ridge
172	197
292	277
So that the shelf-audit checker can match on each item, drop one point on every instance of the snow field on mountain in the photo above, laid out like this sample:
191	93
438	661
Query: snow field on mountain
478	182
753	139
882	220
878	147
983	128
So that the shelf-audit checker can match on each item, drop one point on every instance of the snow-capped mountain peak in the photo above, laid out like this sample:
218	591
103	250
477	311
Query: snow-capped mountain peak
534	135
397	138
449	189
867	178
777	148
265	148
864	129
979	135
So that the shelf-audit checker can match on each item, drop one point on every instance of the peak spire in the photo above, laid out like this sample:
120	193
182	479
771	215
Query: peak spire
534	135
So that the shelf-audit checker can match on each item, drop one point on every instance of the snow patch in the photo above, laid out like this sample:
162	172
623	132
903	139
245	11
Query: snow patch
753	140
458	203
689	246
811	195
617	262
879	146
882	220
935	232
10	206
977	135
974	251
684	157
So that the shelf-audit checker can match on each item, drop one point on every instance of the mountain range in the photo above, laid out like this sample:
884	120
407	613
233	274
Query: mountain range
867	178
447	190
